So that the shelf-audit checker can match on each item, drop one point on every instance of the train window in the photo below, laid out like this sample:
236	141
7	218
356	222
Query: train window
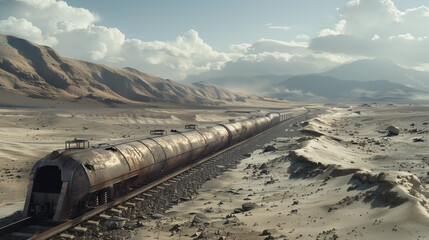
48	180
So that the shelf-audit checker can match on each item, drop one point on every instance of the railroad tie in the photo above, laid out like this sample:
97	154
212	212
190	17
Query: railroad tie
92	223
130	204
138	199
104	216
115	211
66	236
80	230
123	208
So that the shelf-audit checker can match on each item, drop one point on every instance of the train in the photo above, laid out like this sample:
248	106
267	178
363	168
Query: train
70	181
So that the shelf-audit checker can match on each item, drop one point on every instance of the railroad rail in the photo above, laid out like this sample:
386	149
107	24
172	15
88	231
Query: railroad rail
33	229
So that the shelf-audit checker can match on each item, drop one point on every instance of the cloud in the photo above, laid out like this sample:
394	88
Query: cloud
74	33
377	29
189	54
271	26
302	37
273	57
23	28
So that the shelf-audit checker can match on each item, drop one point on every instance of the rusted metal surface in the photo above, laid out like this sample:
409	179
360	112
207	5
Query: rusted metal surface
198	144
234	130
249	128
178	150
215	137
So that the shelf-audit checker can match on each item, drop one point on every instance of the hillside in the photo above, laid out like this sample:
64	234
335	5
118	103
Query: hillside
35	71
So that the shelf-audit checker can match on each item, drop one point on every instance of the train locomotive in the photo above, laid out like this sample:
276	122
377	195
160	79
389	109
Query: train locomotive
70	181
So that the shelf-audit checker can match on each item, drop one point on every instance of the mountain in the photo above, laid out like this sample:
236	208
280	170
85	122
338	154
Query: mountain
246	84
322	88
380	69
36	71
377	79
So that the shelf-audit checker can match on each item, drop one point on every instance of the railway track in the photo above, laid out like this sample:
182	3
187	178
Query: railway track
34	229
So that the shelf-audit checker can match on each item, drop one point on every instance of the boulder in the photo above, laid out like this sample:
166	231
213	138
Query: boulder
393	130
116	223
249	206
270	148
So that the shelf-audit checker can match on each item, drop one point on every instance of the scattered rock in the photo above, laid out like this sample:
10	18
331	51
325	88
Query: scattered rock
269	232
270	148
157	216
175	228
116	223
200	219
247	155
238	210
249	206
393	130
263	166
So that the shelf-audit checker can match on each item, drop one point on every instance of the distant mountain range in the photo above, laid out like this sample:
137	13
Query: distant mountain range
362	80
28	69
324	88
381	69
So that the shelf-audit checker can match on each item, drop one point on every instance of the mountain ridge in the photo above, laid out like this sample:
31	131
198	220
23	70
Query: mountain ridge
376	74
39	71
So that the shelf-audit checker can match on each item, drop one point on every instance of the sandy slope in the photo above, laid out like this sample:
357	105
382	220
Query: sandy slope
347	180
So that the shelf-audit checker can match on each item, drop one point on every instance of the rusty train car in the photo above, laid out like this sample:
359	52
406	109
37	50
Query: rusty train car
70	181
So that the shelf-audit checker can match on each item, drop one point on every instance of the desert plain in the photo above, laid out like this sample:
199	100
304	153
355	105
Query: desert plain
342	177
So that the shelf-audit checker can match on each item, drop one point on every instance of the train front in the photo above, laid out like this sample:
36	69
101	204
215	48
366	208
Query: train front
48	194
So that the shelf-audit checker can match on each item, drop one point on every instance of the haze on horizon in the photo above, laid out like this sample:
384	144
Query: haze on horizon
173	39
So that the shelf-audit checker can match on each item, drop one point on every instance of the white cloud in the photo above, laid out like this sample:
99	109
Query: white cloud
23	28
270	45
187	55
377	29
74	33
303	37
271	26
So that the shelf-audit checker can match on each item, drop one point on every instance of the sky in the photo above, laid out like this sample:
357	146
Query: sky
175	39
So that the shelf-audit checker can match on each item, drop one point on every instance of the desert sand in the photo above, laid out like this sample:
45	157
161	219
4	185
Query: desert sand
344	178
